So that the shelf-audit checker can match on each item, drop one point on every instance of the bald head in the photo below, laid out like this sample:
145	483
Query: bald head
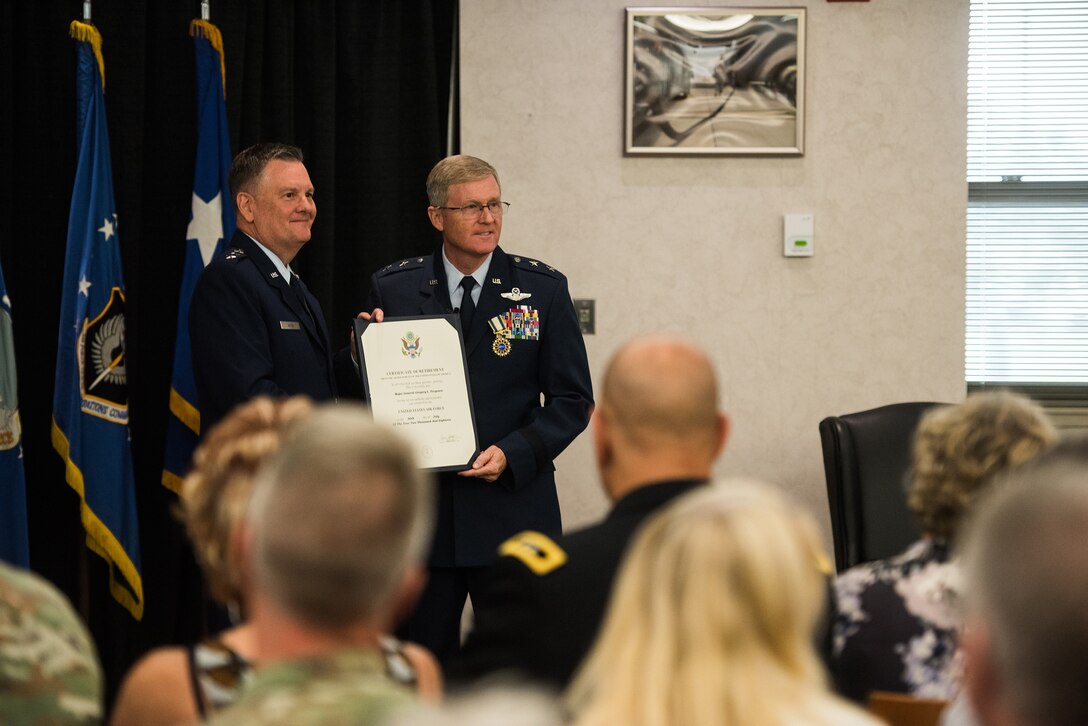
660	407
661	392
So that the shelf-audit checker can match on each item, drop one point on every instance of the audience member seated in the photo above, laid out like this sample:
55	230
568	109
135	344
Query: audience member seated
184	684
1025	566
657	432
712	619
898	620
49	672
332	551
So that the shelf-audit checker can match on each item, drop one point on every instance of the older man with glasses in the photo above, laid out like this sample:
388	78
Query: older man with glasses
523	345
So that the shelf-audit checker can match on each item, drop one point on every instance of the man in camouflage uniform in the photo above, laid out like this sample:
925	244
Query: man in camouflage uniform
49	672
335	537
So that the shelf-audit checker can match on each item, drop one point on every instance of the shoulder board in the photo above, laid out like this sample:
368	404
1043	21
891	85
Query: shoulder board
409	264
528	263
536	551
234	253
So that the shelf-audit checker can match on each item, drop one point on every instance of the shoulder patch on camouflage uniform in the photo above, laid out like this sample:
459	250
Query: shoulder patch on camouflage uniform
50	672
527	263
234	253
411	263
537	551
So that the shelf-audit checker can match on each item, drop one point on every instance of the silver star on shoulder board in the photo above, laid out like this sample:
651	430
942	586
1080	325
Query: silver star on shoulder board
534	263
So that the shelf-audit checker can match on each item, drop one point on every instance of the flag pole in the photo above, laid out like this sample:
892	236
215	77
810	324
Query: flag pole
86	11
90	428
211	226
205	10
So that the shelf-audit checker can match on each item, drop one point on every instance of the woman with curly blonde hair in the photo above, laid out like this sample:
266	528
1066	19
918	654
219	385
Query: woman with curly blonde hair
711	621
898	620
174	684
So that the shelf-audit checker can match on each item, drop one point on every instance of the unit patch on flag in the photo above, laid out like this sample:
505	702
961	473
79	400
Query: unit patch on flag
101	355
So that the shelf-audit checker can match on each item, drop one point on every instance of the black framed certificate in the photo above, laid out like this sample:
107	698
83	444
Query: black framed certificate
415	376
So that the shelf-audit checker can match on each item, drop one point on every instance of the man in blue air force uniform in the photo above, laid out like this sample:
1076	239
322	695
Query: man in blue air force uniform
255	328
522	341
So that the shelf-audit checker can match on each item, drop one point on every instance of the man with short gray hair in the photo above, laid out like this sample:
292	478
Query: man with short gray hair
1025	560
529	377
334	539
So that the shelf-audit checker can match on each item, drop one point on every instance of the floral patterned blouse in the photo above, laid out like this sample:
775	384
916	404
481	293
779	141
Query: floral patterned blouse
896	624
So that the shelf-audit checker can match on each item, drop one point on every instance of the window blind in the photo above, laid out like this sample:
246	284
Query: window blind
1027	173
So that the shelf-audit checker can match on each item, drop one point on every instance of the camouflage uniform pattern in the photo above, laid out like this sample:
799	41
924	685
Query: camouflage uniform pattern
49	672
349	688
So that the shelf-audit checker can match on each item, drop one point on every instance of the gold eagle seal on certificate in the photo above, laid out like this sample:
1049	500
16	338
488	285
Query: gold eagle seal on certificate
410	345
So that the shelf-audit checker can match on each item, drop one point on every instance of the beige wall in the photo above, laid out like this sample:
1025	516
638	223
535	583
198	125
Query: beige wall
694	245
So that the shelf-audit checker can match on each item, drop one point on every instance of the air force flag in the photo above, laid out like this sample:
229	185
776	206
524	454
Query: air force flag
90	399
212	222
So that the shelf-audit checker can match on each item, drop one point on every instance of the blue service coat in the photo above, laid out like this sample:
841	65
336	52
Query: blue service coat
475	516
251	335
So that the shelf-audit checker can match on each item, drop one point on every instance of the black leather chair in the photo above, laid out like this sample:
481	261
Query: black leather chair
866	460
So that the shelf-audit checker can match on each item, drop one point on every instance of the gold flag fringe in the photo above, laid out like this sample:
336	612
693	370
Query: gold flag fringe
100	539
87	33
209	32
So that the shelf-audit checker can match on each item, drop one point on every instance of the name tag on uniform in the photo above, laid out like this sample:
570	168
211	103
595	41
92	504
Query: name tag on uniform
290	325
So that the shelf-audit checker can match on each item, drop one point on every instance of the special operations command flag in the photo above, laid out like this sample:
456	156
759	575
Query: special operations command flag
14	543
212	222
90	404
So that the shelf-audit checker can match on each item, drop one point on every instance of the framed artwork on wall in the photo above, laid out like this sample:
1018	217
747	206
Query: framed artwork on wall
715	80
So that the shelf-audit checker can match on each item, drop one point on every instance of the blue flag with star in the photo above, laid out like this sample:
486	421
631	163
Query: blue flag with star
90	395
212	222
14	544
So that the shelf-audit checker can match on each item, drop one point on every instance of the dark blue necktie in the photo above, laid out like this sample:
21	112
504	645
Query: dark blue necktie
297	288
467	306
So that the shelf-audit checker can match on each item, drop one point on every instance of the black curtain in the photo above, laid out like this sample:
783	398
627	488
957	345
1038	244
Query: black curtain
362	86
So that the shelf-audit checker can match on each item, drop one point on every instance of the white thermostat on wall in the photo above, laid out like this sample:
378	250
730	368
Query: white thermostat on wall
797	235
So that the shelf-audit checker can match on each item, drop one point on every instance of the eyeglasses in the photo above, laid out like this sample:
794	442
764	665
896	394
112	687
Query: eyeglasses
474	211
